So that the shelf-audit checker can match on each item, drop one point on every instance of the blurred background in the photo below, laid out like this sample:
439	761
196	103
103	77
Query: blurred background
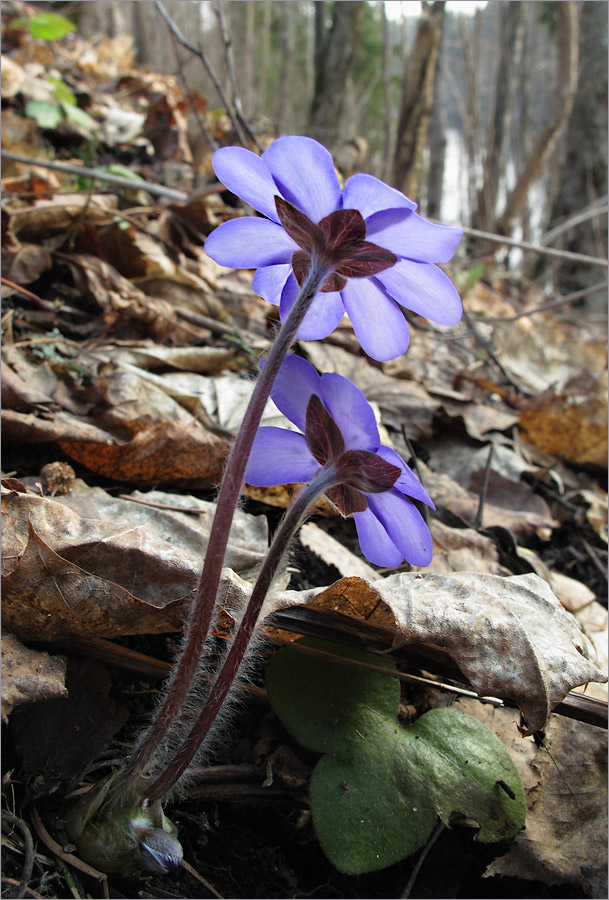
489	114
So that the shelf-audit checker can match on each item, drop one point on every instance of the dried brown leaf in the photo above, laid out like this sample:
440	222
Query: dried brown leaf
68	575
509	636
28	675
573	423
565	840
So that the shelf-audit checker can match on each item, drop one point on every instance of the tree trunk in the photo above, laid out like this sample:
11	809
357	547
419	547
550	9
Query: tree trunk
386	70
496	148
566	88
334	63
284	117
469	111
417	100
437	145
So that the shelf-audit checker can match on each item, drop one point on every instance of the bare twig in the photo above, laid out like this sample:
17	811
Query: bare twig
198	52
424	509
596	209
28	851
551	304
108	177
487	471
433	837
486	345
188	91
536	248
227	40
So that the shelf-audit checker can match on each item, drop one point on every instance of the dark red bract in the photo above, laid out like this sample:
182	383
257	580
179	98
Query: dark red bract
359	470
339	240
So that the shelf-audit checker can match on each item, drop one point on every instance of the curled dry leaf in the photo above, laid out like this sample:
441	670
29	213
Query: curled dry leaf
509	636
29	676
66	575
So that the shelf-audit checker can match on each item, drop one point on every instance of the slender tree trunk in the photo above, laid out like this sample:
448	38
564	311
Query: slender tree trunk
566	88
437	144
264	60
496	148
417	100
284	110
386	69
470	44
248	61
334	63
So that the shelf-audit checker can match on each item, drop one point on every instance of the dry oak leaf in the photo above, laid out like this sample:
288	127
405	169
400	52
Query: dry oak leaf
29	676
178	453
509	636
572	424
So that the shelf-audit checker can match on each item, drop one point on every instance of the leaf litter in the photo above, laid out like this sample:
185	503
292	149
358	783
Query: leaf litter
134	363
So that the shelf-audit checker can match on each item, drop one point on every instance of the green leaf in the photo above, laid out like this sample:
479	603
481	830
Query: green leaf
377	793
115	169
78	116
46	26
47	115
62	91
471	278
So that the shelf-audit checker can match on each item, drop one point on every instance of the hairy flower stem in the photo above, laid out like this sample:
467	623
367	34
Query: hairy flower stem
202	611
324	480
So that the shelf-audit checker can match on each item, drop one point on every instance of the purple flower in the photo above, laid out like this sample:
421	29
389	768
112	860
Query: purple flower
373	483
381	253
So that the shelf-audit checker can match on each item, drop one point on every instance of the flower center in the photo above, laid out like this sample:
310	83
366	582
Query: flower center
338	241
360	471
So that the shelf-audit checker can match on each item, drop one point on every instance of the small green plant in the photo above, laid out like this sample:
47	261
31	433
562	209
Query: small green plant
51	113
379	789
45	26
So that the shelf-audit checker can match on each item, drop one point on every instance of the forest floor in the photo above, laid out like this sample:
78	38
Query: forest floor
128	358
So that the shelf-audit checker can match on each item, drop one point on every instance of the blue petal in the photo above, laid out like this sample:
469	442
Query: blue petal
304	172
407	483
248	243
409	235
377	320
248	176
291	392
351	412
370	195
374	541
279	456
425	289
322	317
404	524
269	282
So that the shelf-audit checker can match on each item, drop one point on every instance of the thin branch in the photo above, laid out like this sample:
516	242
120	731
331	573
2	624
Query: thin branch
487	471
118	180
241	129
227	40
590	213
433	837
551	304
536	248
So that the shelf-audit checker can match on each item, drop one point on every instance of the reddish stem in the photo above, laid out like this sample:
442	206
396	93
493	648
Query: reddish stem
202	610
292	520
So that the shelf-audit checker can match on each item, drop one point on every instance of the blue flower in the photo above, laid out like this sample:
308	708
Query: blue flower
380	251
372	483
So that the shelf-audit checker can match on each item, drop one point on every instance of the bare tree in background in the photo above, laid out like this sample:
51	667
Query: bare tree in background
417	99
566	80
284	110
334	54
497	146
437	145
